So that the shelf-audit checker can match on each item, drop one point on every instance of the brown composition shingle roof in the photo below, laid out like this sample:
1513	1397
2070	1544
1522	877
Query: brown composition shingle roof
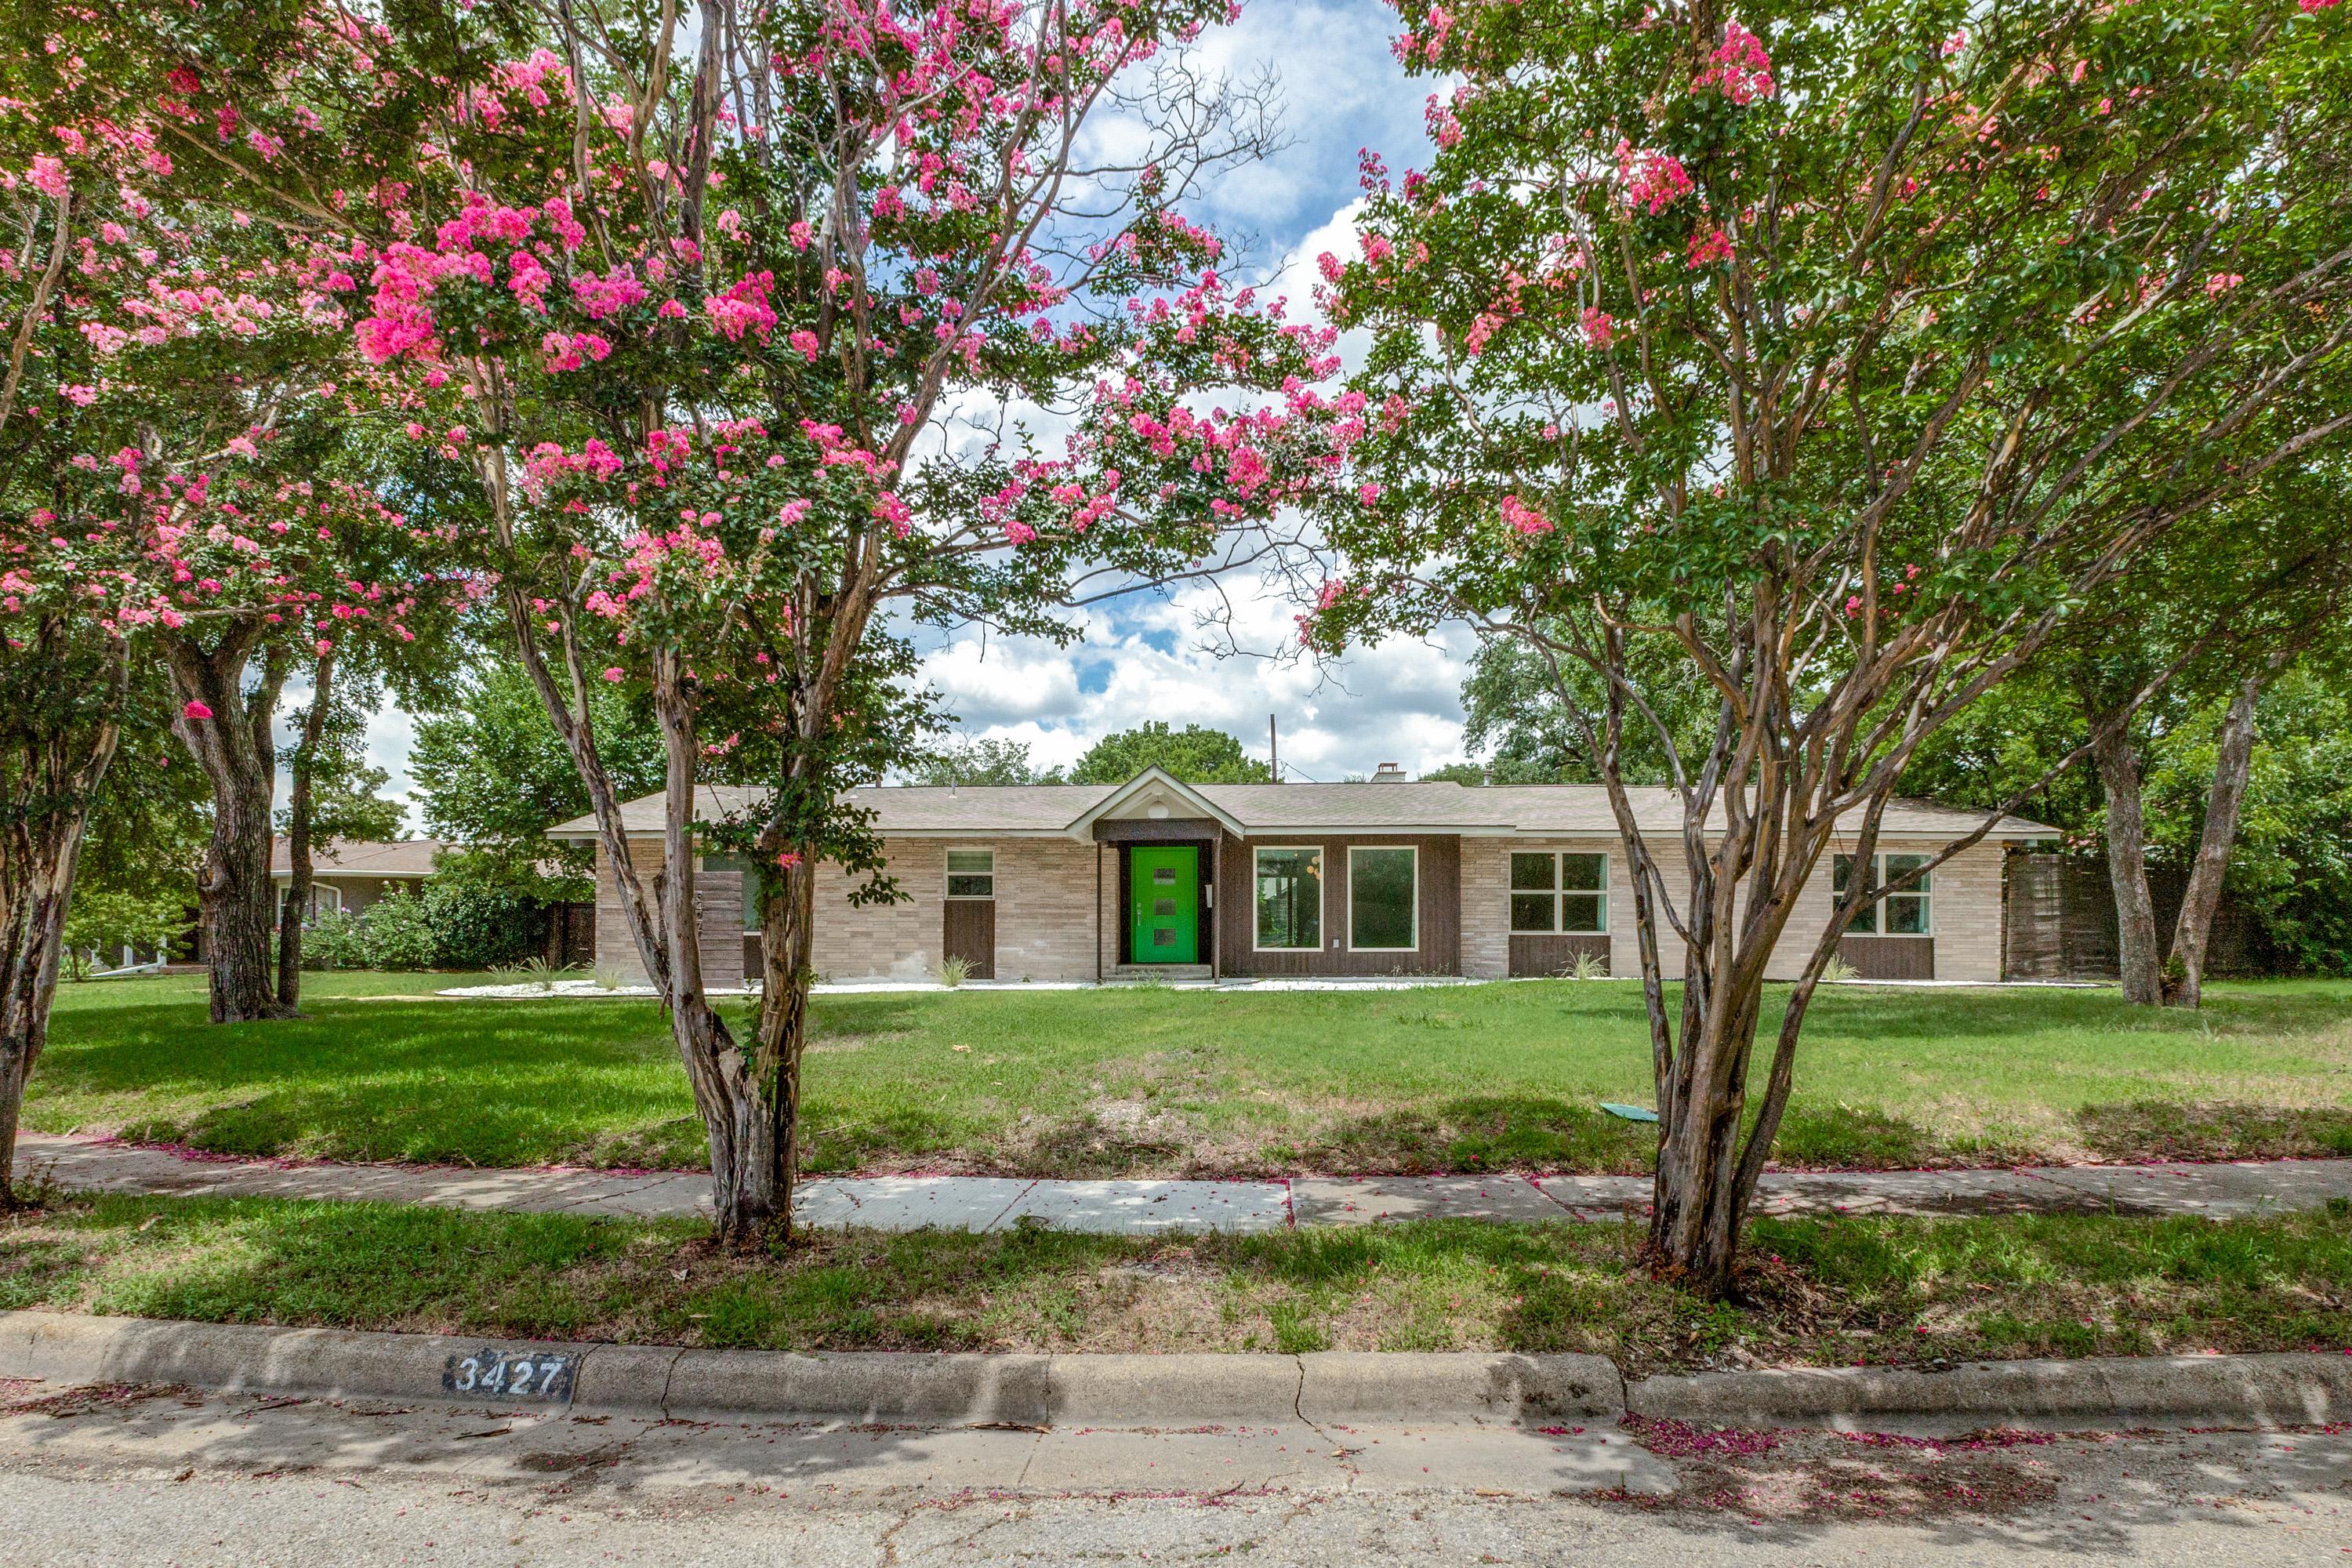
359	857
1579	810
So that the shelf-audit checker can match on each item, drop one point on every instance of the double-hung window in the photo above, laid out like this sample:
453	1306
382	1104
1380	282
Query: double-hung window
1289	887
971	873
1559	892
1906	913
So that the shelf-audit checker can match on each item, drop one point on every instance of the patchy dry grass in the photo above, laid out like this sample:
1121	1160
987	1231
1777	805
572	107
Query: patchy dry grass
1819	1292
1155	1081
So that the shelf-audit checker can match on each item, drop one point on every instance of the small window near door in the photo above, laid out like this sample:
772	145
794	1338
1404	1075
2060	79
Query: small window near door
1902	913
325	898
971	873
1383	899
1565	891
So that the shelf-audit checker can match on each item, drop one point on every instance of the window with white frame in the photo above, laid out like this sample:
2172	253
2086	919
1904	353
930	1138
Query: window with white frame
1563	892
1383	898
971	873
1289	881
1906	913
325	898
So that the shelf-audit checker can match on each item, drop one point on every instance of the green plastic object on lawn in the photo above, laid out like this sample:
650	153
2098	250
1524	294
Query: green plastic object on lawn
1629	1112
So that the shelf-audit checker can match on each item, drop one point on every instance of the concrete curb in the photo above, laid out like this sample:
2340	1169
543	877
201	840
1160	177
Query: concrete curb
1330	1386
1026	1390
2277	1390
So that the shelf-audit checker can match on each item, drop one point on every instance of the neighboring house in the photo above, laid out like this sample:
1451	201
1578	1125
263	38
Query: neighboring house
350	874
1154	877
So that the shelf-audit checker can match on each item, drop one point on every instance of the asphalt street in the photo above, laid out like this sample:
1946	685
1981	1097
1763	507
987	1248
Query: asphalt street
131	1476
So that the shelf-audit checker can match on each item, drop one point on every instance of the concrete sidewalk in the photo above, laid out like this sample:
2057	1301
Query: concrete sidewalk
1151	1207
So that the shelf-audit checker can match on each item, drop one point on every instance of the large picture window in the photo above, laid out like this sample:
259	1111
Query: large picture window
1289	899
1383	898
1905	914
971	873
1564	891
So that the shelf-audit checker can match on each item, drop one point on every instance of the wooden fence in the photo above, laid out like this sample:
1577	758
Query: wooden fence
2059	920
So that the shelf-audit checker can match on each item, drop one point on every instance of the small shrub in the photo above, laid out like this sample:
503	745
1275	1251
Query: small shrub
1838	971
399	934
476	926
335	940
1590	966
954	970
608	978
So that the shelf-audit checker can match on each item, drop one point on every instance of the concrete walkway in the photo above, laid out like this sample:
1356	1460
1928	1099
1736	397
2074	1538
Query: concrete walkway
1151	1207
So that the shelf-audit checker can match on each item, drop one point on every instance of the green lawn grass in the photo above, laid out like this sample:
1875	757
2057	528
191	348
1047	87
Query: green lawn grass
1820	1291
1157	1081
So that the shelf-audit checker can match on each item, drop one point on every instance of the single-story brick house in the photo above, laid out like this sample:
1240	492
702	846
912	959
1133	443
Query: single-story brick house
1156	878
350	874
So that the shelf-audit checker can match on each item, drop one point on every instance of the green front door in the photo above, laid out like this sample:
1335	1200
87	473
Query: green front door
1164	903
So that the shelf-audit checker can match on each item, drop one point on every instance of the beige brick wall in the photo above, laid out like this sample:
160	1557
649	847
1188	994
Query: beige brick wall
1050	924
1047	922
1046	919
1965	900
718	915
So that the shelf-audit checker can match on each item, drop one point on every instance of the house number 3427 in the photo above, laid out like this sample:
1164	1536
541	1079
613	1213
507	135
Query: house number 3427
520	1374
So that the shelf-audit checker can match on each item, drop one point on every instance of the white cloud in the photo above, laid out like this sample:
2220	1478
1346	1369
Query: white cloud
390	734
1155	660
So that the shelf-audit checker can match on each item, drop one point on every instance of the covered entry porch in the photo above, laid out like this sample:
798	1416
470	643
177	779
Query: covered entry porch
1158	845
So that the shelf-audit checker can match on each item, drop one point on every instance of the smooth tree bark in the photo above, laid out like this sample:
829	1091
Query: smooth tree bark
749	1190
2117	759
2224	803
50	772
300	776
226	725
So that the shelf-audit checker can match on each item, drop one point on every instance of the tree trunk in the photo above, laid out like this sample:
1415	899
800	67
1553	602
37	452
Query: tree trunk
32	909
2136	940
53	775
736	1100
787	935
238	907
296	907
2233	760
1695	1213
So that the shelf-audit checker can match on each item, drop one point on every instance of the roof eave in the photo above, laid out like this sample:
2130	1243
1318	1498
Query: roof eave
1082	826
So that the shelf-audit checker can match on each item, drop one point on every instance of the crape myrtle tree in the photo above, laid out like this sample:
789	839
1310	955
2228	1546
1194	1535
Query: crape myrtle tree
153	455
734	333
199	357
1844	352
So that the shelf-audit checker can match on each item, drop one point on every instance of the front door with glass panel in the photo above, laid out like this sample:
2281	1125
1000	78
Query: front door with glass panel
1164	900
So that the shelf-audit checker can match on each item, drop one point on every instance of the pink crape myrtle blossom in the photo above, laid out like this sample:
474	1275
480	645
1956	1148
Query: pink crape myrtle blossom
1523	518
1740	68
1652	181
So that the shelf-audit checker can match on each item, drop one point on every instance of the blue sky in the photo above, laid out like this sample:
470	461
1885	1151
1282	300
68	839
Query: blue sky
1152	658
